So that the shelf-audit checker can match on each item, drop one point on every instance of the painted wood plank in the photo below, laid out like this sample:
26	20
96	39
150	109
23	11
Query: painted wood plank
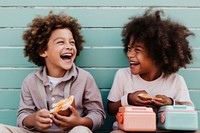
9	99
194	95
12	78
94	37
20	17
115	57
177	3
198	120
195	40
14	57
99	57
106	57
191	78
11	37
8	117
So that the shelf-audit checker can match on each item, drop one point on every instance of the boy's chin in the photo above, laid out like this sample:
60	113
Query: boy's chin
68	67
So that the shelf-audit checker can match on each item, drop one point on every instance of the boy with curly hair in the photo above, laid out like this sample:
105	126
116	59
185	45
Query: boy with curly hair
156	49
53	42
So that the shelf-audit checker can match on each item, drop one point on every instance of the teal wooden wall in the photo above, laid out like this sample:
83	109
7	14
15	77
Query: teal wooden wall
102	23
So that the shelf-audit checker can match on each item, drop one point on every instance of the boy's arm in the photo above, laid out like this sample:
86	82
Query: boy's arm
28	121
41	120
67	122
28	106
93	103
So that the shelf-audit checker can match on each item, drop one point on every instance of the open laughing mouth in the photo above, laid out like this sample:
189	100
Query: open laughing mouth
67	56
133	63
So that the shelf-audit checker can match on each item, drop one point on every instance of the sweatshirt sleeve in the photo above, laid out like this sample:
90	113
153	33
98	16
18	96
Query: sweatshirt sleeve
26	106
93	103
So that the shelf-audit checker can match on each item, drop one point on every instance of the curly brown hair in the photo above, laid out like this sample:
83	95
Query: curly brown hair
165	40
39	31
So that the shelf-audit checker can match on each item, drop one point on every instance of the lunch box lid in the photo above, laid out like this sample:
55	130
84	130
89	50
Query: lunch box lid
176	108
135	109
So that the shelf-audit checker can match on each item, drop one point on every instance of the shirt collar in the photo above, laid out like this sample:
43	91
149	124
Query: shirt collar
69	75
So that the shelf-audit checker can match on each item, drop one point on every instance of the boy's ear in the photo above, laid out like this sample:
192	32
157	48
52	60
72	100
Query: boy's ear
43	54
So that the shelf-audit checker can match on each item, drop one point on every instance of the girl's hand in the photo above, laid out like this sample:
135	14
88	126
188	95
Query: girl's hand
42	119
166	101
133	98
67	122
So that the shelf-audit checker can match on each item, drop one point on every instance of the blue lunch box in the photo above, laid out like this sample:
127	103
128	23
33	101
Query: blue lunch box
177	117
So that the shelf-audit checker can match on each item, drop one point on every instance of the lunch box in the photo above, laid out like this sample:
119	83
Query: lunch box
136	118
178	117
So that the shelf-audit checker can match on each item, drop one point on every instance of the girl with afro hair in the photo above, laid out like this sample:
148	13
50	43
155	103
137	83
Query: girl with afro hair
156	49
53	42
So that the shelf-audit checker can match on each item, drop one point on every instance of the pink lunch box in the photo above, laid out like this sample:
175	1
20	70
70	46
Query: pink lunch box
136	118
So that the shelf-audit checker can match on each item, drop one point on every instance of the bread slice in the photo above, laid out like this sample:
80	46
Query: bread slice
148	97
62	107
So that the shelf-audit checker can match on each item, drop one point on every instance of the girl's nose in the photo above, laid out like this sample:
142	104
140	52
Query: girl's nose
131	54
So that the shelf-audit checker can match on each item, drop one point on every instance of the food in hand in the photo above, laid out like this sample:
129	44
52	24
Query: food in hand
148	97
62	107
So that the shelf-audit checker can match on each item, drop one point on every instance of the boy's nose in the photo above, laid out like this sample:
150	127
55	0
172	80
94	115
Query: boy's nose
68	46
131	55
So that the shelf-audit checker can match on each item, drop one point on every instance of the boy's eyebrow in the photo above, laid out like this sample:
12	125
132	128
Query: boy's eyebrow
58	38
130	45
62	38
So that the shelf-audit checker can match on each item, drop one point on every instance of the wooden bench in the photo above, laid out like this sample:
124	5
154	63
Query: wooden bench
102	23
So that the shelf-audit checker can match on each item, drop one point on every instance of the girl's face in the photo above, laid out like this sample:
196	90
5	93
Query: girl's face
140	62
61	52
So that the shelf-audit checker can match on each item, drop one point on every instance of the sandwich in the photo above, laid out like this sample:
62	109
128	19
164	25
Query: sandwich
62	107
148	97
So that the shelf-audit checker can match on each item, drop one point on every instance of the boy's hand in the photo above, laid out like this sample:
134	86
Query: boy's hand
134	99
166	101
42	119
66	122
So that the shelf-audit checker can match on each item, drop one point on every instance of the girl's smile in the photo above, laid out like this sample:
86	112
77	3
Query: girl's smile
140	61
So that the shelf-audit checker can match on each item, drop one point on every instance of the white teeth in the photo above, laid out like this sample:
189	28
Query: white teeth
67	55
133	63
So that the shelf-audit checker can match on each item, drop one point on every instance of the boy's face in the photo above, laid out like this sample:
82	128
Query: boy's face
140	62
61	52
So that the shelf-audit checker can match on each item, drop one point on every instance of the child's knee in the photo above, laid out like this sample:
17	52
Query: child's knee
2	126
117	131
80	129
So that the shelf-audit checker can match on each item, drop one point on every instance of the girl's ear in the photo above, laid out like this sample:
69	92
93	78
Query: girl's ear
43	54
